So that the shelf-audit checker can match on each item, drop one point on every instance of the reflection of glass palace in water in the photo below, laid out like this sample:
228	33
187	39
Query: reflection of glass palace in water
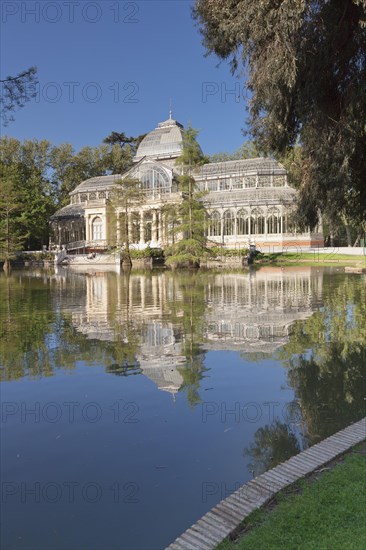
254	313
251	313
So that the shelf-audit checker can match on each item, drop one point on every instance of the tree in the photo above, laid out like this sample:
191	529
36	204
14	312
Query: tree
306	67
122	150
118	138
16	91
248	150
189	249
11	237
27	165
126	194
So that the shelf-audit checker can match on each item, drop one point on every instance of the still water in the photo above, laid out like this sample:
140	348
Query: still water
133	403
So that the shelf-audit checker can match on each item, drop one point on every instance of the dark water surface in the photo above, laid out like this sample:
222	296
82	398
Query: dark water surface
132	404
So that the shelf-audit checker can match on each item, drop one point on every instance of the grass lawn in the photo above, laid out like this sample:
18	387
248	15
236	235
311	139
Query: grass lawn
326	512
311	258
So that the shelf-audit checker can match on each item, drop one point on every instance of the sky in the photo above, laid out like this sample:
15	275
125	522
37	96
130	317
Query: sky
115	66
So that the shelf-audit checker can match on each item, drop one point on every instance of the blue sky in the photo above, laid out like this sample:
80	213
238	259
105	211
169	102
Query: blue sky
115	65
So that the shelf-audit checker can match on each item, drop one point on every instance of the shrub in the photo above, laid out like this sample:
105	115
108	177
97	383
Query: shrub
156	253
231	252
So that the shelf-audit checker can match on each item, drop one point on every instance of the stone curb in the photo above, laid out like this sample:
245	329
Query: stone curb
228	514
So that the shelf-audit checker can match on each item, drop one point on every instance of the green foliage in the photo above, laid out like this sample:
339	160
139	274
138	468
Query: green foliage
248	150
43	175
292	159
11	235
190	246
126	194
24	167
216	251
155	253
306	67
70	168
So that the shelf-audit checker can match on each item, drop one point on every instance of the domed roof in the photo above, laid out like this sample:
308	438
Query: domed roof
166	141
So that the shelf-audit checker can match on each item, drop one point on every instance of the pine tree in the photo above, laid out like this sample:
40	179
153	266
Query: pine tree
190	245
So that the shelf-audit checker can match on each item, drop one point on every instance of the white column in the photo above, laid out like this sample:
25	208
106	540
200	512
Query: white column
154	226
142	228
88	228
235	225
161	239
104	221
118	230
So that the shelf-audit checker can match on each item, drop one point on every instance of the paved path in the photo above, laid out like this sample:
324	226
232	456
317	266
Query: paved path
224	518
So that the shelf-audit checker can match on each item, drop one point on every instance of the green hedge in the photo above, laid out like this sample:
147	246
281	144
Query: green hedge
156	253
232	252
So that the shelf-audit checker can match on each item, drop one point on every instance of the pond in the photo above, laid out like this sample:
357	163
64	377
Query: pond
132	403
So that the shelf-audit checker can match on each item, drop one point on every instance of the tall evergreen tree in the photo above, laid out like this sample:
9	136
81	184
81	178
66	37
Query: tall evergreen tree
190	247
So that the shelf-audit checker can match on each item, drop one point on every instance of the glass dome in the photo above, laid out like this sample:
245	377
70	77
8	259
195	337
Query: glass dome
166	141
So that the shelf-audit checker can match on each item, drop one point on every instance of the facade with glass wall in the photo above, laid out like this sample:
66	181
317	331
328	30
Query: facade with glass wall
247	202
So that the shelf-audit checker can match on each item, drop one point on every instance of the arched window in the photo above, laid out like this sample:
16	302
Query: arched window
97	229
274	221
228	223
242	222
257	222
215	224
154	179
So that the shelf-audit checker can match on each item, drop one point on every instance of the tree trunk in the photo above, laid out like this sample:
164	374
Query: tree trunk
357	240
348	230
349	237
7	265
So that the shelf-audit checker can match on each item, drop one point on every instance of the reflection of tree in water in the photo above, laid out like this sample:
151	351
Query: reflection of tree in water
331	390
25	328
192	375
36	340
188	312
326	360
272	445
326	357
